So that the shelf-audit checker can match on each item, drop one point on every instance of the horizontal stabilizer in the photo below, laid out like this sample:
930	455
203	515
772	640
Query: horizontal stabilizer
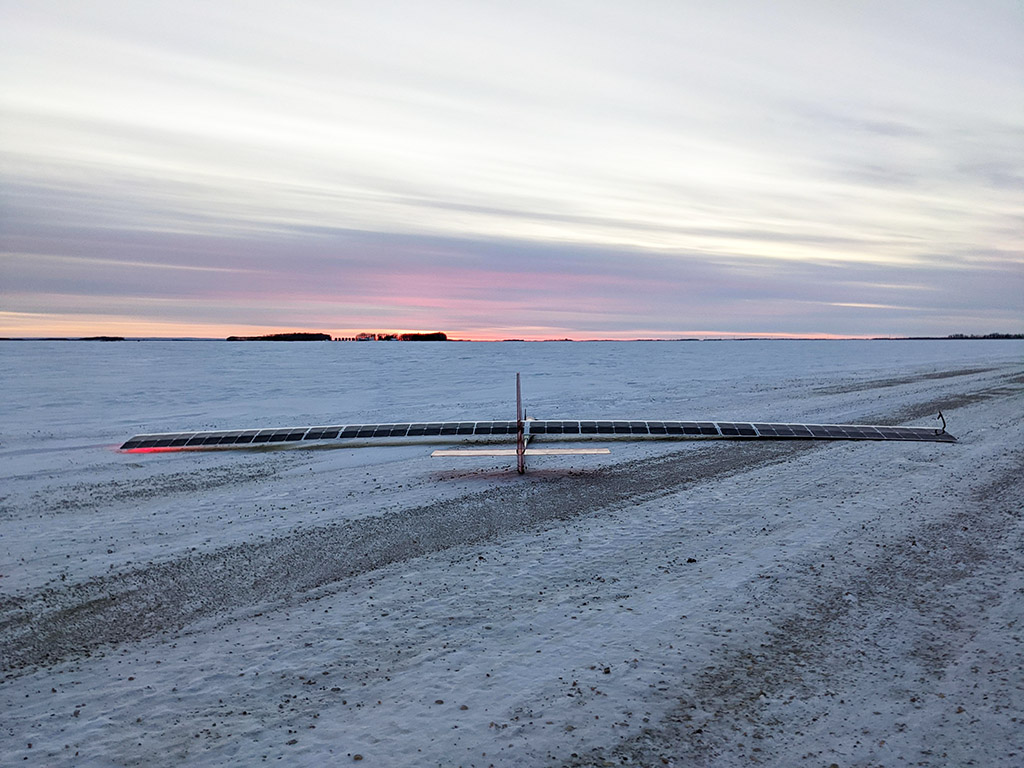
527	452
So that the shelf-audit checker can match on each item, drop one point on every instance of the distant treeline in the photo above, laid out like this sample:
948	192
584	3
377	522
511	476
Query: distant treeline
436	336
439	336
972	337
68	338
388	336
284	337
987	336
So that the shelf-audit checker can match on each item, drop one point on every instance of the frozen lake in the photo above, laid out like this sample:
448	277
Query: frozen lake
686	604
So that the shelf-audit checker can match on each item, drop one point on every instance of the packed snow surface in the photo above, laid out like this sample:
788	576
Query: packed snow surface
675	603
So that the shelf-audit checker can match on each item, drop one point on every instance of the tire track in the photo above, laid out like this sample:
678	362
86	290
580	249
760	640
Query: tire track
64	622
941	587
59	623
861	386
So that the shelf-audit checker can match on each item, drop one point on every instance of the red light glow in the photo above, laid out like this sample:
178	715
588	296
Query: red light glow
154	450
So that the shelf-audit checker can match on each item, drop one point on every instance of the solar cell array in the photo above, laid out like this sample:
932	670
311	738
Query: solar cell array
583	429
728	429
341	432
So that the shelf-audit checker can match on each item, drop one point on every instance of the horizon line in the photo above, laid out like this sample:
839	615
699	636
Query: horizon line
721	336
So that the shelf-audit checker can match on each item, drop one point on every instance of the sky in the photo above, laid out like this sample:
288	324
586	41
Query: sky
523	169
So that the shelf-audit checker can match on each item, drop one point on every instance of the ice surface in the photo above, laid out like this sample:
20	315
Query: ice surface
690	604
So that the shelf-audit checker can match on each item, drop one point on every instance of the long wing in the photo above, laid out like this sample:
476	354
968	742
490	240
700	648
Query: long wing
734	430
335	434
458	431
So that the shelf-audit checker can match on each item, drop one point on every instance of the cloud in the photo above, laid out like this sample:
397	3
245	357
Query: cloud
350	280
638	168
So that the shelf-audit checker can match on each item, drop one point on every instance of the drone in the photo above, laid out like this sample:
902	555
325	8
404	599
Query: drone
523	430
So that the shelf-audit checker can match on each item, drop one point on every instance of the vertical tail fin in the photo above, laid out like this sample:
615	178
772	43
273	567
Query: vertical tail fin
520	437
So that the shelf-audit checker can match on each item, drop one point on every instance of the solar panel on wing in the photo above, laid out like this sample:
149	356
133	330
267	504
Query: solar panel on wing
599	429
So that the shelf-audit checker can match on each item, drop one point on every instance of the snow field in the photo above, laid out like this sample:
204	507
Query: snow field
854	603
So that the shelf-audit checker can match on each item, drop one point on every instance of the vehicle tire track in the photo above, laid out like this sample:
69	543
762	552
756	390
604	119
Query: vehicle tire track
861	386
58	623
825	640
779	691
64	622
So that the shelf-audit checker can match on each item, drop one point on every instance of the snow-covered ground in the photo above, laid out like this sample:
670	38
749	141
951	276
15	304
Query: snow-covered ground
683	604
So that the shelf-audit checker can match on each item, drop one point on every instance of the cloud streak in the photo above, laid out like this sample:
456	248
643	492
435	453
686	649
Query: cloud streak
808	167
